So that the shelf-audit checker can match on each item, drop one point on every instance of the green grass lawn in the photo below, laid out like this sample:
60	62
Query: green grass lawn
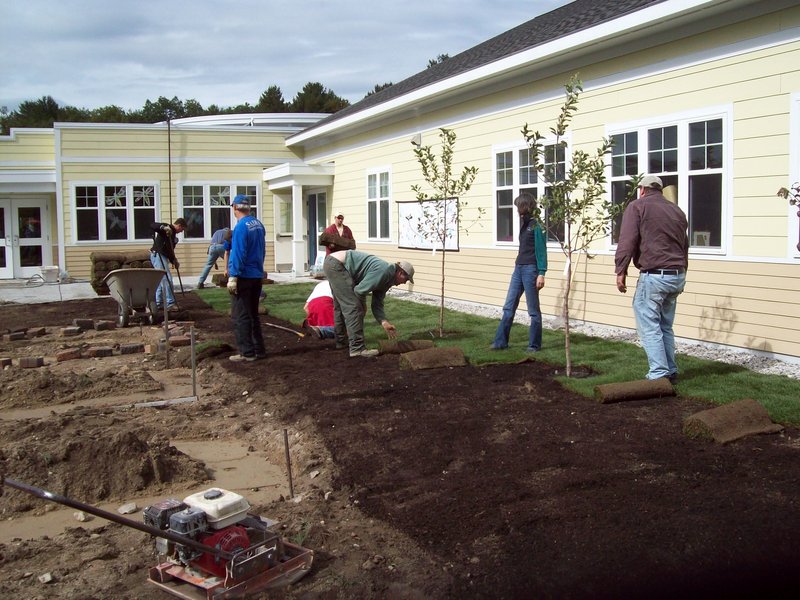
611	361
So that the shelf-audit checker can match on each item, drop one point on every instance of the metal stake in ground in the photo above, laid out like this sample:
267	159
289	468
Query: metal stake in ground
288	462
177	270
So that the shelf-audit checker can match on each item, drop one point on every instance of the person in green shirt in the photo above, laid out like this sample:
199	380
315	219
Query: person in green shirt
352	275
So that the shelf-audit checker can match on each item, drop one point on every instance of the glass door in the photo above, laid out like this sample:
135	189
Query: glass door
25	246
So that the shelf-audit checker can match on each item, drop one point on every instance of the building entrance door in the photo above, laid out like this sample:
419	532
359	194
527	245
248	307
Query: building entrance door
25	245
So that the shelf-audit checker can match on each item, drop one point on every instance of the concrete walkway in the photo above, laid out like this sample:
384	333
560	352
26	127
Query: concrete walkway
35	290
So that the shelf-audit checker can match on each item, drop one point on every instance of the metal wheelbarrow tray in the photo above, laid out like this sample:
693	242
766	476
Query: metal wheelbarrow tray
135	292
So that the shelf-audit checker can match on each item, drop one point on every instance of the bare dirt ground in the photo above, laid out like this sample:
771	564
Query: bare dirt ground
477	482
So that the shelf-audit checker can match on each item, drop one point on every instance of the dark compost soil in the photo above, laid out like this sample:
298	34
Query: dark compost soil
473	482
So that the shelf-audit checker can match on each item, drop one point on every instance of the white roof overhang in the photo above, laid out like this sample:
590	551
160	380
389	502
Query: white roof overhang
291	174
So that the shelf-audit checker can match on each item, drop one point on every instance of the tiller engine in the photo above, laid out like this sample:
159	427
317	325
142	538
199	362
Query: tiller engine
209	546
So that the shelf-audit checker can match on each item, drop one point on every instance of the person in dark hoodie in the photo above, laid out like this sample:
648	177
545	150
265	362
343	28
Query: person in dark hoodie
162	254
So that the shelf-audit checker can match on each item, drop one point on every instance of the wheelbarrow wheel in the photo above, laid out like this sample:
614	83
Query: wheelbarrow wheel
152	314
124	316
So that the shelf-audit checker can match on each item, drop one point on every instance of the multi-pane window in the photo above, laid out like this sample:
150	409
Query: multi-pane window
624	166
515	173
504	210
207	207
114	212
555	169
378	200
705	183
688	156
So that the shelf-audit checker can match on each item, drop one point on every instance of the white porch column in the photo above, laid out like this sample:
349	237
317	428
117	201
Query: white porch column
298	229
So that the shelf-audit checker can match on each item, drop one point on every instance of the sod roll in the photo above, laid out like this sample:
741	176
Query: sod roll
633	390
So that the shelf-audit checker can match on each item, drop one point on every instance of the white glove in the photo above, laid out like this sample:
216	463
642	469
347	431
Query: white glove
232	283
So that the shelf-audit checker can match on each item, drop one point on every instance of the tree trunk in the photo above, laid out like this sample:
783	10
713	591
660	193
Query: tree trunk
441	298
565	311
444	253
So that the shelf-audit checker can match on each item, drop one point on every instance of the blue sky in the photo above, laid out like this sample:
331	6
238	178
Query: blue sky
93	53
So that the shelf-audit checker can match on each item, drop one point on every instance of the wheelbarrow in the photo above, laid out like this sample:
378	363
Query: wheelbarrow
135	292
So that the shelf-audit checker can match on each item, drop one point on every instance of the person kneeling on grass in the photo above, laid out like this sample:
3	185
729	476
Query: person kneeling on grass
353	275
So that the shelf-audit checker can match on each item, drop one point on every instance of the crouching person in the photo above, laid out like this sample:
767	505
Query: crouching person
353	275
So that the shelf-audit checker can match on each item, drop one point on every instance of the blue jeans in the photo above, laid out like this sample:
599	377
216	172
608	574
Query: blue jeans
654	306
159	261
328	332
215	252
523	279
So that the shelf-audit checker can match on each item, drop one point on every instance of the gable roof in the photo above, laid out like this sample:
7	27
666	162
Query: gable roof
558	23
564	40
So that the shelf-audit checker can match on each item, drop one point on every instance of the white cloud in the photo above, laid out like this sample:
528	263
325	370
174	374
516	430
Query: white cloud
93	53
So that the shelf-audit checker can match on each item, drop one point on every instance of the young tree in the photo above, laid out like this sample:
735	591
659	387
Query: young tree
576	210
446	192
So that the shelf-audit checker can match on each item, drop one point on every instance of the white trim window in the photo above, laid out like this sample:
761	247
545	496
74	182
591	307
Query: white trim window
207	206
379	194
514	173
691	155
114	212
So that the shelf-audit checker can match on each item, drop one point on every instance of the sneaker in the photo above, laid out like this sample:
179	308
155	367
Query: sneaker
531	349
496	347
200	286
316	331
172	307
673	378
364	353
237	358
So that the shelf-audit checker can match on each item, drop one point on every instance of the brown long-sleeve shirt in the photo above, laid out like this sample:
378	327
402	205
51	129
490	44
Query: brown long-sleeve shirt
653	235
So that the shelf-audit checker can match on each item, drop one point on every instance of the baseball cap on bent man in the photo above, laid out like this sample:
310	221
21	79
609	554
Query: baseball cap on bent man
407	268
240	199
651	181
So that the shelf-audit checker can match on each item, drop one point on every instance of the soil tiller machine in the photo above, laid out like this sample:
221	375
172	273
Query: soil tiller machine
209	546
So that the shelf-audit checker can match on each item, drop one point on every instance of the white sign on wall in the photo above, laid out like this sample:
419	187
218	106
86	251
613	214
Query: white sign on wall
424	224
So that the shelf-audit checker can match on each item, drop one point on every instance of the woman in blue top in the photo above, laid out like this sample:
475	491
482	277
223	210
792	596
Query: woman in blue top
528	276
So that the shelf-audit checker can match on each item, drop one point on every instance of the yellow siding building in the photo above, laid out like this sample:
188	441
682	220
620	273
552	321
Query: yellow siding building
705	94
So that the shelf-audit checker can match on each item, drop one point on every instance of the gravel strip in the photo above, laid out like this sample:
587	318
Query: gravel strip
750	359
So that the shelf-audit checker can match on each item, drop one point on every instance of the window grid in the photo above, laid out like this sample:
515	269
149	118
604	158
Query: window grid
378	202
688	156
207	207
515	173
124	214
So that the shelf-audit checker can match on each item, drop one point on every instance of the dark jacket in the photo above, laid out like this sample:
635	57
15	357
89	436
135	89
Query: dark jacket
532	245
163	244
653	235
